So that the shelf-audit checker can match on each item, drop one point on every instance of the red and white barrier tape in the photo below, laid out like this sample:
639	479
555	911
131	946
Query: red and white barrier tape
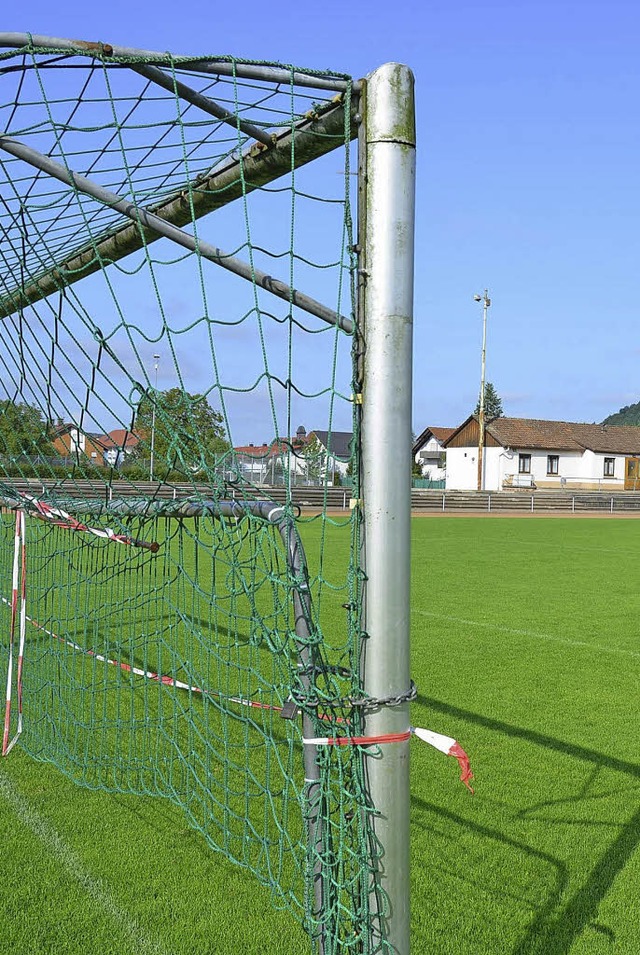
445	744
55	515
19	581
450	747
147	674
158	677
357	740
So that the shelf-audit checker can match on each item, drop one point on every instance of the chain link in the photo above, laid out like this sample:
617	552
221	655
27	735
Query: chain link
366	702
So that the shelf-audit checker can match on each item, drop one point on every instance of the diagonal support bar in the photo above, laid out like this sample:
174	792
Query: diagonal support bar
146	220
154	75
257	167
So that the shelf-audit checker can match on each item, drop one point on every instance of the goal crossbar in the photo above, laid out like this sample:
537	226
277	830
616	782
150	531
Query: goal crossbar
225	66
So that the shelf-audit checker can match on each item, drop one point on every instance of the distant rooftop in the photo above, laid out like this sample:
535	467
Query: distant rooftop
536	433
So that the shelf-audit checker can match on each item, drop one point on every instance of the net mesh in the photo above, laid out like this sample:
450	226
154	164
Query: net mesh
169	622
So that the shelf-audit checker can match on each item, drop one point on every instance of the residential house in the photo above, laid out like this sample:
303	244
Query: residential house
334	452
118	444
254	462
308	458
428	451
71	442
532	453
269	463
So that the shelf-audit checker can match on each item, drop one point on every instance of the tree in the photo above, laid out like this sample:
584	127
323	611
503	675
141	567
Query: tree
187	431
315	458
416	466
492	403
23	430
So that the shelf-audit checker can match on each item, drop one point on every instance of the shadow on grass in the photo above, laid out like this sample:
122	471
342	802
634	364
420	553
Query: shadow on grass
532	736
553	930
555	933
487	832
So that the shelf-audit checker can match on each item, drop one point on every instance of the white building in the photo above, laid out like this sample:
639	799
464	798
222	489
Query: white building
118	445
428	451
334	449
314	458
530	453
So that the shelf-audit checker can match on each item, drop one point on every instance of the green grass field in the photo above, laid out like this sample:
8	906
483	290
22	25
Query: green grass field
525	647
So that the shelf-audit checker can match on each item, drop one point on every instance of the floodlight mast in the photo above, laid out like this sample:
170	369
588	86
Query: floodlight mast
486	302
156	359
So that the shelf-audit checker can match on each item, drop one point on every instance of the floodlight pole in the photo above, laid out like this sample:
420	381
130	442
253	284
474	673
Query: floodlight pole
386	241
486	302
156	359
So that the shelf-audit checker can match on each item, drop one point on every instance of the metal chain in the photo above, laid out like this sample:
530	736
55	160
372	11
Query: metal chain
366	702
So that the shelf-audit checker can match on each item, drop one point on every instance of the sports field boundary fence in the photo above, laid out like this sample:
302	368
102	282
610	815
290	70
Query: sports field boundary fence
530	502
339	498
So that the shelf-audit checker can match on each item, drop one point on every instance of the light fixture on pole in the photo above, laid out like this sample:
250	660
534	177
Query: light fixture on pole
156	359
486	302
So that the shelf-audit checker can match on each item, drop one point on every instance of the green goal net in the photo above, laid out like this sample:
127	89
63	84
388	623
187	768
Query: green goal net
182	569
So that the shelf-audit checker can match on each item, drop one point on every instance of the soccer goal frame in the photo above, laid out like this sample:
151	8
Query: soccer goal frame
381	118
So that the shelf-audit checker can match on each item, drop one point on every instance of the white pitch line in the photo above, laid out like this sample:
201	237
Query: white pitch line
619	651
72	862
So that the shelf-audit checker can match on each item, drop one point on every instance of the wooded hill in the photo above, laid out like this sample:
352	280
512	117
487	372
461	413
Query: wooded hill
630	414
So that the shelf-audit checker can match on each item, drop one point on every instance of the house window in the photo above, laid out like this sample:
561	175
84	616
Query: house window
609	467
524	464
553	461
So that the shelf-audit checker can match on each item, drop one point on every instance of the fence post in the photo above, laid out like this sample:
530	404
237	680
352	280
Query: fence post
387	160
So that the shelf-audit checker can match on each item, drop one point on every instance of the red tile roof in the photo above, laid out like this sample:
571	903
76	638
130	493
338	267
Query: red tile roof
256	451
279	446
441	435
533	433
120	438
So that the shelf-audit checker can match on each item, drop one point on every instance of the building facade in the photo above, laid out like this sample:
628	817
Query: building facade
540	454
71	442
429	452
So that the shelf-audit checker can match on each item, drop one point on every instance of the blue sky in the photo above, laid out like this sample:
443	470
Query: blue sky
528	151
